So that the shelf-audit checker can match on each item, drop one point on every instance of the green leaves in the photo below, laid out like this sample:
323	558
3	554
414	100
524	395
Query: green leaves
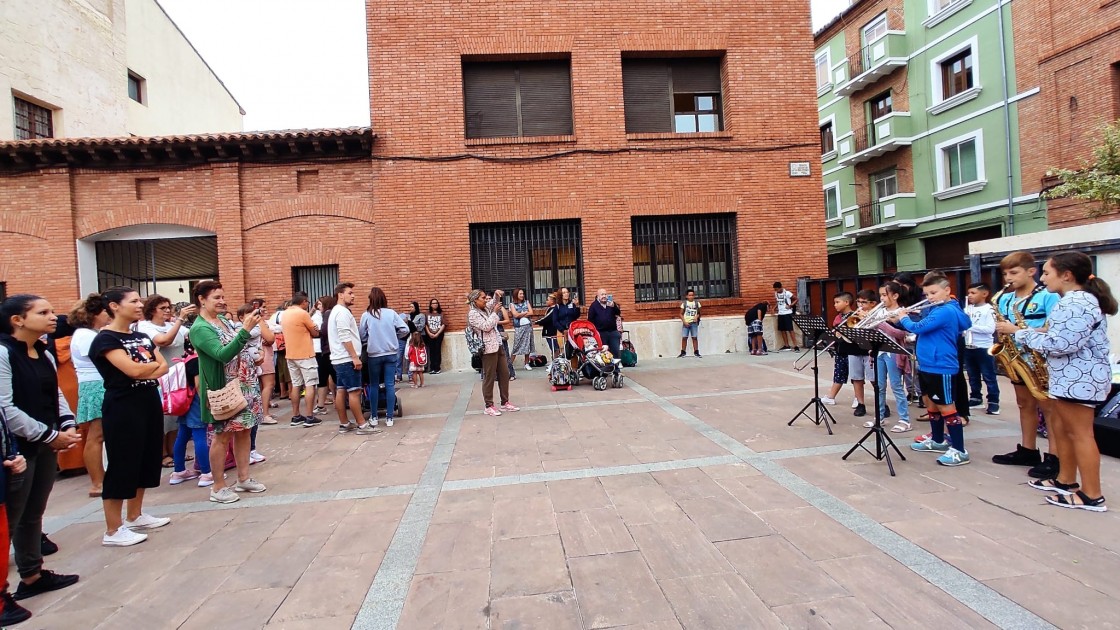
1097	180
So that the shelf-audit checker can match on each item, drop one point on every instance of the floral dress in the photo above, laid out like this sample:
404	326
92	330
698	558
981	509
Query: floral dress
245	371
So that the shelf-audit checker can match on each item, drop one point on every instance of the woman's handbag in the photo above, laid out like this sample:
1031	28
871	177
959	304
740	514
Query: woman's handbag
228	401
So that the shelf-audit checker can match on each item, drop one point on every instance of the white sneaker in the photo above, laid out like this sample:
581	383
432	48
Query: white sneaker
528	367
225	495
146	521
250	485
388	422
205	480
256	458
123	537
368	428
855	403
828	401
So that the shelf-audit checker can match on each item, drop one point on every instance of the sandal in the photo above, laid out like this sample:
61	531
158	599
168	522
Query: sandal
1053	485
869	424
924	417
1078	501
95	494
901	427
168	461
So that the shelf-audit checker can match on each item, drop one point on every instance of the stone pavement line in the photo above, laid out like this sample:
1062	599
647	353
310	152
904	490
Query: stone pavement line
962	587
384	601
585	473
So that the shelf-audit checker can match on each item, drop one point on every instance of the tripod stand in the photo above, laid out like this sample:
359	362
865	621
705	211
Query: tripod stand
818	329
873	340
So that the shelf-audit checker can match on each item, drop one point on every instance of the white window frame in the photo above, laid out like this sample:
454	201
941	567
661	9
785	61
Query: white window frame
937	16
873	24
839	202
943	191
826	56
831	155
941	104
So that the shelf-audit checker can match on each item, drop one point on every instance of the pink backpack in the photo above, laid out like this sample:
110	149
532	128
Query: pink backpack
176	392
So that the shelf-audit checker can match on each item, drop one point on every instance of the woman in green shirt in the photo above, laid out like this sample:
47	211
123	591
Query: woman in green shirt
221	356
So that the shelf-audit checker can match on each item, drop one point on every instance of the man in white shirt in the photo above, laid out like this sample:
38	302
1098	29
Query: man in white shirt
977	362
785	303
346	359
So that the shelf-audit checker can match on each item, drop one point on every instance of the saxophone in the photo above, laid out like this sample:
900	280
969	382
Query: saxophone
1031	373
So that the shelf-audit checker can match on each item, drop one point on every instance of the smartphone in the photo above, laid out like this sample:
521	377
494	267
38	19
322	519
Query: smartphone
257	312
610	298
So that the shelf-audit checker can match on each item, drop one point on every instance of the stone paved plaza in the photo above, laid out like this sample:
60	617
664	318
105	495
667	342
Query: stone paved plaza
681	500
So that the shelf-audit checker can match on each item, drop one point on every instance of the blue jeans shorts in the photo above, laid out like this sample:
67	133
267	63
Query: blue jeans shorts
690	330
346	377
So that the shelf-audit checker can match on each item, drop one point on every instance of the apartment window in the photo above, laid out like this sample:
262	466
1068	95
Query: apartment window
315	281
673	255
960	163
137	88
940	5
881	105
672	95
884	184
824	71
515	99
538	256
875	29
32	121
956	74
828	139
832	202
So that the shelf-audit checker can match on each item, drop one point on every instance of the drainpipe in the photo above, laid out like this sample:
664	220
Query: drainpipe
1006	123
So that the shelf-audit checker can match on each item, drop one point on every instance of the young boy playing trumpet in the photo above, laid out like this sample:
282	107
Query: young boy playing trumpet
939	367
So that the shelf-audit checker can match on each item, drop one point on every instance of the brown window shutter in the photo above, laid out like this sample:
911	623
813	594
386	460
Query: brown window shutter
696	76
645	92
546	98
489	100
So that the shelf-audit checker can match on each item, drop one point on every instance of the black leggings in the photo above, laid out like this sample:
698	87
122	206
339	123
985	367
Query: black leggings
435	352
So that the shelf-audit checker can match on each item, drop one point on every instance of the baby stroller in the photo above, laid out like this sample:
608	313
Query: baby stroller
584	348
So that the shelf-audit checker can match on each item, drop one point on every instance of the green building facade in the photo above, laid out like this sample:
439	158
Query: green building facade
919	134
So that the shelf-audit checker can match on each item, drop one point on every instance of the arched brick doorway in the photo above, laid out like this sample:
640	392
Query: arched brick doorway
153	258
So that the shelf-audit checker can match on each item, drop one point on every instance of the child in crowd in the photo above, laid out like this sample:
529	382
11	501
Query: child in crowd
843	303
1076	347
191	428
939	366
417	360
858	367
977	340
785	302
754	317
690	323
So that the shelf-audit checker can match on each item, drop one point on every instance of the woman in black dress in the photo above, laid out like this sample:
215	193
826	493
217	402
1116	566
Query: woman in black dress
132	418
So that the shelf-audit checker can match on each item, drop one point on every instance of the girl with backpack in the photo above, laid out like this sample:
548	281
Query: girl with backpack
417	360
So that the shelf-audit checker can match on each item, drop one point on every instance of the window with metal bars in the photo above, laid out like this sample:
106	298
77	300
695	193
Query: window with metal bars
32	121
673	255
514	99
538	256
672	95
315	281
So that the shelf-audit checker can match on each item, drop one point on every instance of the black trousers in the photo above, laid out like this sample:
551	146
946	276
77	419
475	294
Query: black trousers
435	352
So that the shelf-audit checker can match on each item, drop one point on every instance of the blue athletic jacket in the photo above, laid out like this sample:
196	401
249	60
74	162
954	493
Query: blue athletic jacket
938	331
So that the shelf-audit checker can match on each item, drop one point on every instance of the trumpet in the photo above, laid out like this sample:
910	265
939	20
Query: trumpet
870	319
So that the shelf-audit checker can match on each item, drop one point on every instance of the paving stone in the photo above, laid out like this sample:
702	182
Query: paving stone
718	601
555	611
593	532
321	623
277	563
816	534
760	493
464	506
158	603
458	600
236	609
777	572
724	518
570	495
1061	600
618	590
976	555
518	518
840	613
331	586
528	566
678	549
452	547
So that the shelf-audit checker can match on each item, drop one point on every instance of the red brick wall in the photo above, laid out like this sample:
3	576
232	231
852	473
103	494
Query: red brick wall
1067	49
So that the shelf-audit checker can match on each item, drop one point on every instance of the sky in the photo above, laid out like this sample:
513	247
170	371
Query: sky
294	64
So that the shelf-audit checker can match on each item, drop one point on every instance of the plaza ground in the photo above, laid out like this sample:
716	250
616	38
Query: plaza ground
681	500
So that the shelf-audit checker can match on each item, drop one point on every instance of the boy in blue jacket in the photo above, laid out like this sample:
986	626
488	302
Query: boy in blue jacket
938	364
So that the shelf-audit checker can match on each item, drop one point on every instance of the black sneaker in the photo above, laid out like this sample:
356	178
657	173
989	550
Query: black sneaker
1048	469
796	349
48	581
975	402
681	355
697	355
311	421
993	409
46	547
783	348
297	421
1020	457
13	612
860	411
921	403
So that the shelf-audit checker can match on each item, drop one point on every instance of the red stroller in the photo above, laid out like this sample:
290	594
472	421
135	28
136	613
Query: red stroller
584	349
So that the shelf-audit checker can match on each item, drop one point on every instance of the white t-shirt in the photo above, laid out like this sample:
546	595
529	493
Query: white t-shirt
316	343
170	352
79	354
342	328
785	302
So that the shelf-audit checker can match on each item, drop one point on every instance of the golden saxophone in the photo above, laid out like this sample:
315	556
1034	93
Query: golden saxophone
1031	373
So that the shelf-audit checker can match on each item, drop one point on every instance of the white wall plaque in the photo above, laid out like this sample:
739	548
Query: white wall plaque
799	169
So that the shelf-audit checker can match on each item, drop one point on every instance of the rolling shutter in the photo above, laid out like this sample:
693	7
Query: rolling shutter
645	92
696	76
490	100
546	98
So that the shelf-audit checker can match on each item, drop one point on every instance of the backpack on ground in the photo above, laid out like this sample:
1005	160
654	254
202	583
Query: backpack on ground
538	360
629	355
174	389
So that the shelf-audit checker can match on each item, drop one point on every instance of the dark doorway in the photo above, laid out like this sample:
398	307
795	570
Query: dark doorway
169	266
951	250
843	264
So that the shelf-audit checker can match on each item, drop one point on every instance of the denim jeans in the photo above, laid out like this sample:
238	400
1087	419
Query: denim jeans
981	365
382	370
888	368
201	450
402	345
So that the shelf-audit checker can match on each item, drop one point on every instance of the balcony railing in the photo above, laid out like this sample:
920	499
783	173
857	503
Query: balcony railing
890	213
870	214
874	61
882	136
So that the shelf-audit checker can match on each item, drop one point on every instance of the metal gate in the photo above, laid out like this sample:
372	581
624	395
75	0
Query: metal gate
315	281
142	263
538	256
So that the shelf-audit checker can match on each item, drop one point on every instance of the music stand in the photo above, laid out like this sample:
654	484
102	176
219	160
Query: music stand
873	340
816	327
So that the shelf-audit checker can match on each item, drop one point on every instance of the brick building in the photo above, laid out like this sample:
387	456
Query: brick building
1071	52
647	149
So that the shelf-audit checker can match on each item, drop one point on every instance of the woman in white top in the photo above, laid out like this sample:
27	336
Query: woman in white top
88	317
169	334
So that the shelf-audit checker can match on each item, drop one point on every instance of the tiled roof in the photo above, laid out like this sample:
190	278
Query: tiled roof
256	146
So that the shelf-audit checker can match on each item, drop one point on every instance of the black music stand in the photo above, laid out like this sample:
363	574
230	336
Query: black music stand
817	328
873	340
